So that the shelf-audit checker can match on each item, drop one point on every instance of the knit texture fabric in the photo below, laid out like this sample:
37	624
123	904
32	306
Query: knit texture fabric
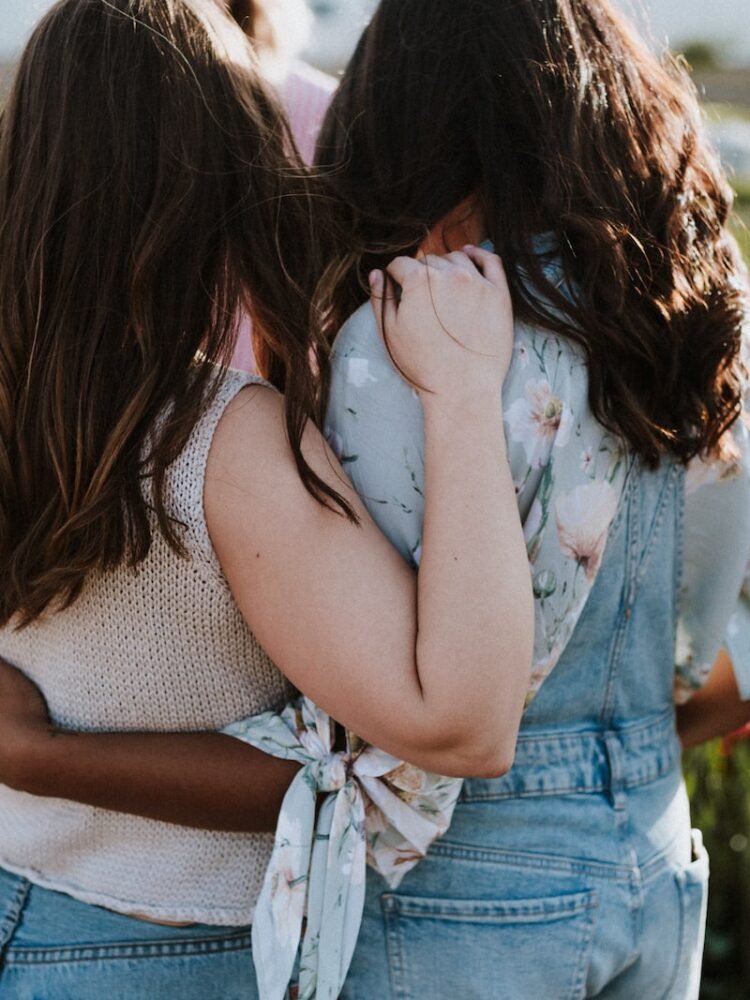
159	648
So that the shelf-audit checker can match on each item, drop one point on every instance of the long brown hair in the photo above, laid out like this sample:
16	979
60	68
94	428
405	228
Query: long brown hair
578	141
148	188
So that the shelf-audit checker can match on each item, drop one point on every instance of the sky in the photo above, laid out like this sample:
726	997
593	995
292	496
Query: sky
725	21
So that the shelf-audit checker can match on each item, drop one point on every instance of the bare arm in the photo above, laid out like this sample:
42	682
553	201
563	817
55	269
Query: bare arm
202	780
716	710
435	674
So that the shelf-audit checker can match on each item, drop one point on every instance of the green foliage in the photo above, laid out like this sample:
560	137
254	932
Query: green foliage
703	55
741	228
719	788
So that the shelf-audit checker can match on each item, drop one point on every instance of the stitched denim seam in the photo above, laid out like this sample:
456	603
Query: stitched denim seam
117	951
644	776
543	863
679	568
630	577
681	940
655	722
668	487
491	911
396	970
579	984
628	487
12	915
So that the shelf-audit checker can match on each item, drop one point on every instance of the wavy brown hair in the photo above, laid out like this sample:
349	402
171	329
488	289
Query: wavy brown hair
578	139
148	188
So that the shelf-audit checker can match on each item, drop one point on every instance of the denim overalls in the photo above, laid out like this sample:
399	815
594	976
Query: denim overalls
575	875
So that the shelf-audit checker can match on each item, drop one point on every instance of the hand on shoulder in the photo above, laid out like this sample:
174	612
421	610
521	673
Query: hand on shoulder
447	323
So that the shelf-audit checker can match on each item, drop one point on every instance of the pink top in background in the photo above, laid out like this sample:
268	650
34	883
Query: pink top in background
306	94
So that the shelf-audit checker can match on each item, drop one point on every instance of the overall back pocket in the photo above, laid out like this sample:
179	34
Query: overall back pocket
520	949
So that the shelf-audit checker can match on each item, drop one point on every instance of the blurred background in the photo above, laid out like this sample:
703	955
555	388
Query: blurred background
715	39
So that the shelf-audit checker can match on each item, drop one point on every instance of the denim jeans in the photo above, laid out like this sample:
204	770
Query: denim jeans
53	947
575	875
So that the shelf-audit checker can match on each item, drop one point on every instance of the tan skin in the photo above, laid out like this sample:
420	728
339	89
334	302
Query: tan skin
717	710
214	781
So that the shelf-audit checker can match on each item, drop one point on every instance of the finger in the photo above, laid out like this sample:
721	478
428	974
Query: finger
462	260
489	264
405	270
383	301
436	262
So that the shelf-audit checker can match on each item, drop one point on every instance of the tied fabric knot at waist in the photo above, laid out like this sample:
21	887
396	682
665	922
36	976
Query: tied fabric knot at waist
377	811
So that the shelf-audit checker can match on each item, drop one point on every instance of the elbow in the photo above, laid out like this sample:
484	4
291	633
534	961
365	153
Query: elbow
468	756
494	762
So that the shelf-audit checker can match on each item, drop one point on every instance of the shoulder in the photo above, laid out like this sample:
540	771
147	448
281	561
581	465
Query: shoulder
359	336
223	396
250	437
362	371
208	452
538	354
553	436
251	460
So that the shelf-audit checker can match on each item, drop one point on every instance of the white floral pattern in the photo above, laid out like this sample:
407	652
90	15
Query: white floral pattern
569	474
583	521
540	420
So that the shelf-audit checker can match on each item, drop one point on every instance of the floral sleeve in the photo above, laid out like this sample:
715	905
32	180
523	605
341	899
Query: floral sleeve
714	565
376	428
569	472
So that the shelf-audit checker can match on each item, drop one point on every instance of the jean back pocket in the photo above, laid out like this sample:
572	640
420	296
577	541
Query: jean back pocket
519	949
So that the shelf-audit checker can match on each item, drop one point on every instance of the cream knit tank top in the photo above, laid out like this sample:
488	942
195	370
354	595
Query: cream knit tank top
161	648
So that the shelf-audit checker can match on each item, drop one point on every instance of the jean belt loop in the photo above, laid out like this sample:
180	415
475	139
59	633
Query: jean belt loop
615	759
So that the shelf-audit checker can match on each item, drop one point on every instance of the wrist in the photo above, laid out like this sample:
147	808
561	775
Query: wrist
22	758
466	423
463	409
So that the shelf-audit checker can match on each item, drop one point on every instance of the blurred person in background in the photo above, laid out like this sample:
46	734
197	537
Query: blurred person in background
279	30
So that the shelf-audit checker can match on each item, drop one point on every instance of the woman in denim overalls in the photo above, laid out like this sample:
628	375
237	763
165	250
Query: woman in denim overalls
559	137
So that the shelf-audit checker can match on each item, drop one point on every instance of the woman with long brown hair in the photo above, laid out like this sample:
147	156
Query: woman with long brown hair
549	129
160	516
